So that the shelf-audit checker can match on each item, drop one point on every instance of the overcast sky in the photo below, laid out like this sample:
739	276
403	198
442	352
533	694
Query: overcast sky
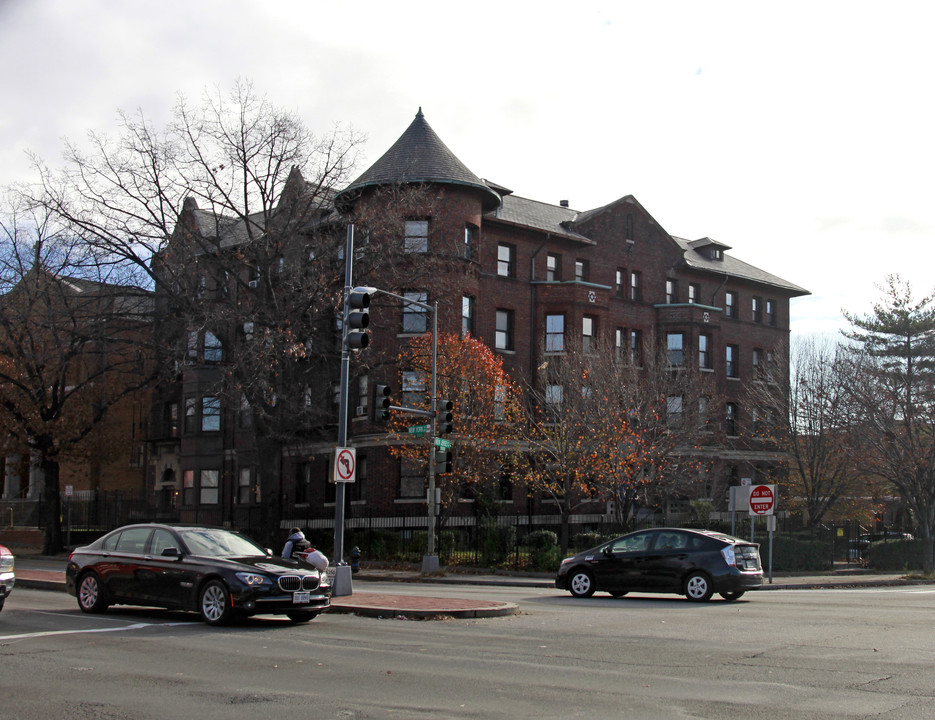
799	133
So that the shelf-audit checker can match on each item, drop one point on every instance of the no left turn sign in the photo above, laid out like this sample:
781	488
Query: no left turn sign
345	465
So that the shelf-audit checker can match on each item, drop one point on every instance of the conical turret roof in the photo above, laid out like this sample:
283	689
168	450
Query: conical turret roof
419	156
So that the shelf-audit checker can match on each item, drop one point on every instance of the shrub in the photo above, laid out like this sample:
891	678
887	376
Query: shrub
897	555
495	542
544	553
585	540
541	540
793	555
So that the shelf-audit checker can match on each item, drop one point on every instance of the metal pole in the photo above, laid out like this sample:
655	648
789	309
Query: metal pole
430	562
342	580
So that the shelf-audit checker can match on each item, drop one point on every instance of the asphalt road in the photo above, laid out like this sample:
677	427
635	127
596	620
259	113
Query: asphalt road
862	653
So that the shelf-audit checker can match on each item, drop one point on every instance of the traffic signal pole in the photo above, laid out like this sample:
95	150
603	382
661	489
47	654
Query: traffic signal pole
342	584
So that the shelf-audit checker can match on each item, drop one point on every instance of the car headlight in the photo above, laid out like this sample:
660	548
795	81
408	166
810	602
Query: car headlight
567	560
252	579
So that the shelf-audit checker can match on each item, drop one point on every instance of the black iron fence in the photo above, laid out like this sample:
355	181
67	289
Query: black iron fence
517	541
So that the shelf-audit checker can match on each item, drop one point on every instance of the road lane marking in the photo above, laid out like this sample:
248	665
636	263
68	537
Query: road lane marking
52	633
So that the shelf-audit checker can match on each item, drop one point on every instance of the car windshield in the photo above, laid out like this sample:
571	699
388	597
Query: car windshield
218	543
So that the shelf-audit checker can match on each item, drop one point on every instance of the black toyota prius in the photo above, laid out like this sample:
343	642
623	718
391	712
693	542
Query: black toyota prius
221	574
694	563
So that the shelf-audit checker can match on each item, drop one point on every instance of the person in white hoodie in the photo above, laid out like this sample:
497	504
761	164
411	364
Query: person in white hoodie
299	548
295	544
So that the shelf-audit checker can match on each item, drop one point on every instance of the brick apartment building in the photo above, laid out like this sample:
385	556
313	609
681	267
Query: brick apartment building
525	277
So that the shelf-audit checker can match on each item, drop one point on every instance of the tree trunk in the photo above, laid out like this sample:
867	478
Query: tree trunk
52	539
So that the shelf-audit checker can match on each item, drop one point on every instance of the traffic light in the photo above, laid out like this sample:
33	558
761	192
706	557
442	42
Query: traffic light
444	416
359	317
382	402
443	461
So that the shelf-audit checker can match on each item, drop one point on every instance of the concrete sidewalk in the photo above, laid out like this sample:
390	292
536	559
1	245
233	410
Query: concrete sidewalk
49	574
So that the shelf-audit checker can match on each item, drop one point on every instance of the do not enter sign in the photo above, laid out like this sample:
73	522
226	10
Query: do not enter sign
762	499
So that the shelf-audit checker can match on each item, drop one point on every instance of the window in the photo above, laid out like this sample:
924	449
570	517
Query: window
770	312
672	291
470	237
244	489
208	490
703	420
730	305
506	260
673	411
503	339
188	487
413	389
693	292
731	357
757	306
210	413
674	349
581	270
467	315
636	287
213	352
620	337
730	419
416	239
554	333
619	279
172	419
245	414
757	361
704	352
553	267
636	347
363	395
587	333
191	414
415	318
499	400
412	479
628	228
554	396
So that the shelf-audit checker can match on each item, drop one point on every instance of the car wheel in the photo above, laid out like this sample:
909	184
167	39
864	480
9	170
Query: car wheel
301	617
618	593
731	596
214	603
581	584
698	587
90	593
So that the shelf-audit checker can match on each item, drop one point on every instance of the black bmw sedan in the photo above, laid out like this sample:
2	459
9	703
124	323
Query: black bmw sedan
694	563
219	573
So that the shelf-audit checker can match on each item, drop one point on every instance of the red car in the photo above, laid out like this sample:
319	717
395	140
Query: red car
7	578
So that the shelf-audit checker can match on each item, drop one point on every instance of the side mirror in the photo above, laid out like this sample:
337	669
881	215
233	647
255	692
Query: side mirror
171	552
607	551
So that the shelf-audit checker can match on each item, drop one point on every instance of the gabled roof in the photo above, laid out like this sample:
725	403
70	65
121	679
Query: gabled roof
419	156
732	267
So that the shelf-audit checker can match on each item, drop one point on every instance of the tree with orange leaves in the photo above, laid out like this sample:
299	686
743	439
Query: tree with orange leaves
600	428
486	407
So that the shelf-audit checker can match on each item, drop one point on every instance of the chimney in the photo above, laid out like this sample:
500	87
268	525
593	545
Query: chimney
563	203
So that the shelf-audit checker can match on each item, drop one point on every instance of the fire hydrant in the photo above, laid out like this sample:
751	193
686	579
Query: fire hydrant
355	559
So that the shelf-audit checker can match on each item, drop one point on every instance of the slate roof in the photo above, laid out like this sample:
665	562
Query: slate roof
419	156
733	267
542	216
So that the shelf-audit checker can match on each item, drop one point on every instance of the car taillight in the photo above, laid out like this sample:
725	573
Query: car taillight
729	557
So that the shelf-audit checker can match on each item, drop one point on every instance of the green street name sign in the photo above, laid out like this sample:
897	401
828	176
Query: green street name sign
443	443
419	429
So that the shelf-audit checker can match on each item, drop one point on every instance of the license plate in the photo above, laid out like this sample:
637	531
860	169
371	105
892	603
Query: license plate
300	598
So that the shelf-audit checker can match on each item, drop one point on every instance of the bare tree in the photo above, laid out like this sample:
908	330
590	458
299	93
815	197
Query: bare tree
73	345
601	428
811	422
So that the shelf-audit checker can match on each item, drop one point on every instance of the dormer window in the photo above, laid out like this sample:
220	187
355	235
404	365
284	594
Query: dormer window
715	253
